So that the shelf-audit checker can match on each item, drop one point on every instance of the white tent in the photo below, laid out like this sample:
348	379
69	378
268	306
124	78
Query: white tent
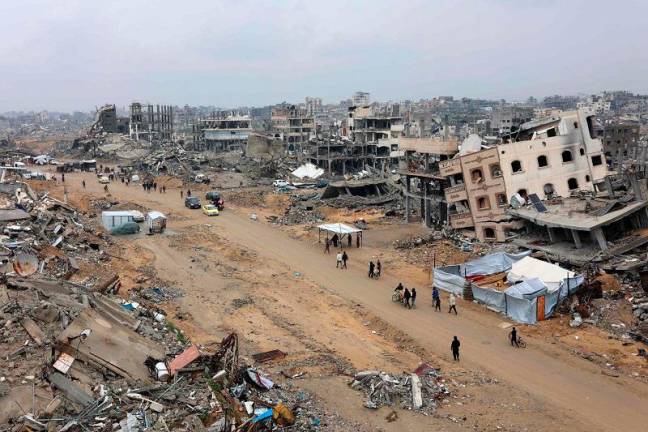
529	268
308	170
341	230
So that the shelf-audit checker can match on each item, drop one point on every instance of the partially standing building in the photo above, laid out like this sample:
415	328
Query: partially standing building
151	122
222	132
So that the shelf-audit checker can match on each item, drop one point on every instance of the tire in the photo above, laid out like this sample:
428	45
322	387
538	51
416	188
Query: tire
395	298
521	343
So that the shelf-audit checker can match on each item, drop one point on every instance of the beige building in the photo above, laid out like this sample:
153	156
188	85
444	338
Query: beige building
561	155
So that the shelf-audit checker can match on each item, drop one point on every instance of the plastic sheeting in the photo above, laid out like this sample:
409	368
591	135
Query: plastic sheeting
339	228
522	310
527	289
529	267
448	279
492	298
492	263
308	170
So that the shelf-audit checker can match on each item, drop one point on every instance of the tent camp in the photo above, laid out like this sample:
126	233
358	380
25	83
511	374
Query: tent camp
341	230
535	287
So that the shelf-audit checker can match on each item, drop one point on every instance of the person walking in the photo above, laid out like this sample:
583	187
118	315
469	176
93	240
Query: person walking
164	189
406	298
413	297
83	183
436	299
338	260
452	301
188	192
63	177
514	338
371	269
378	268
345	258
155	186
327	247
181	194
454	346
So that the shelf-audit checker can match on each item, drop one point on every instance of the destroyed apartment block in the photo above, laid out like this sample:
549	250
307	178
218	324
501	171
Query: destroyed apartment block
150	122
357	193
424	185
294	126
561	157
222	132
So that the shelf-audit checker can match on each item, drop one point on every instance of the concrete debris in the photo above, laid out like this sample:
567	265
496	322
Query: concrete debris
422	391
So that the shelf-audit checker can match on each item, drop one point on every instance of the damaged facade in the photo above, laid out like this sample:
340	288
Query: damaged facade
222	133
151	122
549	158
294	126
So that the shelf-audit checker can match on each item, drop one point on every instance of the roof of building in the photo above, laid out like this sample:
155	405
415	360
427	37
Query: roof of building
577	214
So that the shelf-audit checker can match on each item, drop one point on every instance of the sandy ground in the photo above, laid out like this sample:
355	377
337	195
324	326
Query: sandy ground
279	291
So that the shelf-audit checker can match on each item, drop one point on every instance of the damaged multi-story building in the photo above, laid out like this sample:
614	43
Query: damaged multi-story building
547	158
106	120
378	131
222	132
294	126
620	141
151	122
423	184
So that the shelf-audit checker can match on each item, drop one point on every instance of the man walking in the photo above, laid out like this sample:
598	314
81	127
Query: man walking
436	299
327	247
338	260
406	297
454	346
514	338
83	183
452	301
378	268
371	269
345	258
413	297
181	194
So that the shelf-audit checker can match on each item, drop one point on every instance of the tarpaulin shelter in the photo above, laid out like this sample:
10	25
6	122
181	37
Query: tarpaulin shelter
308	170
341	230
528	300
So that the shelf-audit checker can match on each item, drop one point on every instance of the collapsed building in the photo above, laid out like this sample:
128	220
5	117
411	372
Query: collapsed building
547	158
150	122
424	184
223	132
378	131
106	120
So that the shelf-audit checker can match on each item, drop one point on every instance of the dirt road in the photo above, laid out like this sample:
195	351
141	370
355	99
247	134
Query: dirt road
565	385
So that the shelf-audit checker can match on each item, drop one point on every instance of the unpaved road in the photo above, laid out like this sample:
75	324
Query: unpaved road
573	387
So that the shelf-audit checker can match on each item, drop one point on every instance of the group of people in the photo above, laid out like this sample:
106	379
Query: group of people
149	186
436	301
341	260
375	269
407	297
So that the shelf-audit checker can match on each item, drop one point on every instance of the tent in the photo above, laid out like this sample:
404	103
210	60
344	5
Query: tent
530	268
308	170
112	219
527	289
340	230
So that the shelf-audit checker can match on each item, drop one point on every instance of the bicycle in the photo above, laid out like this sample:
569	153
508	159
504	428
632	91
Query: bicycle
520	342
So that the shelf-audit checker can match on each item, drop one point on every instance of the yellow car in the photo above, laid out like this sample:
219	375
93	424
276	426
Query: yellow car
210	209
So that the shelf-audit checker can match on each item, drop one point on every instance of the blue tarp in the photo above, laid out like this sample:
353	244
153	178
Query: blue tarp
518	302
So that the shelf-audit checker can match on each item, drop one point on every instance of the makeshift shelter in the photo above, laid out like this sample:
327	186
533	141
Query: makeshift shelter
308	170
536	287
341	230
113	219
156	221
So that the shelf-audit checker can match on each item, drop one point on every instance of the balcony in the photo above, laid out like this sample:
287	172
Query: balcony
456	193
450	167
461	220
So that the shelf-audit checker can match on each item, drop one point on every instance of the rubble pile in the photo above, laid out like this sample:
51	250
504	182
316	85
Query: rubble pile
78	356
421	390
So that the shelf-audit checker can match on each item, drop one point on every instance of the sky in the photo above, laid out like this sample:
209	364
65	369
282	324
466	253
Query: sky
79	54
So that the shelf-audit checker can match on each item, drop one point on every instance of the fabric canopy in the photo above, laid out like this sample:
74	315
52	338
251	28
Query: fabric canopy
527	289
339	228
529	268
308	170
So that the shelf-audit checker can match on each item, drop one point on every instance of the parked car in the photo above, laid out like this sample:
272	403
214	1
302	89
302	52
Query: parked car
210	209
138	216
216	199
280	183
104	180
192	202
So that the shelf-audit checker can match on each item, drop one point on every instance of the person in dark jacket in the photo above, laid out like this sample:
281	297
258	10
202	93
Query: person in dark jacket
514	338
406	297
371	269
454	346
378	268
345	258
413	297
436	299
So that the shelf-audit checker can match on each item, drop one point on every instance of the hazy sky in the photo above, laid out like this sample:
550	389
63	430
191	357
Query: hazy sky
77	54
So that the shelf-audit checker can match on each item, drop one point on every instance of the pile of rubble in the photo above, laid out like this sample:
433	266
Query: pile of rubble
421	390
78	354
